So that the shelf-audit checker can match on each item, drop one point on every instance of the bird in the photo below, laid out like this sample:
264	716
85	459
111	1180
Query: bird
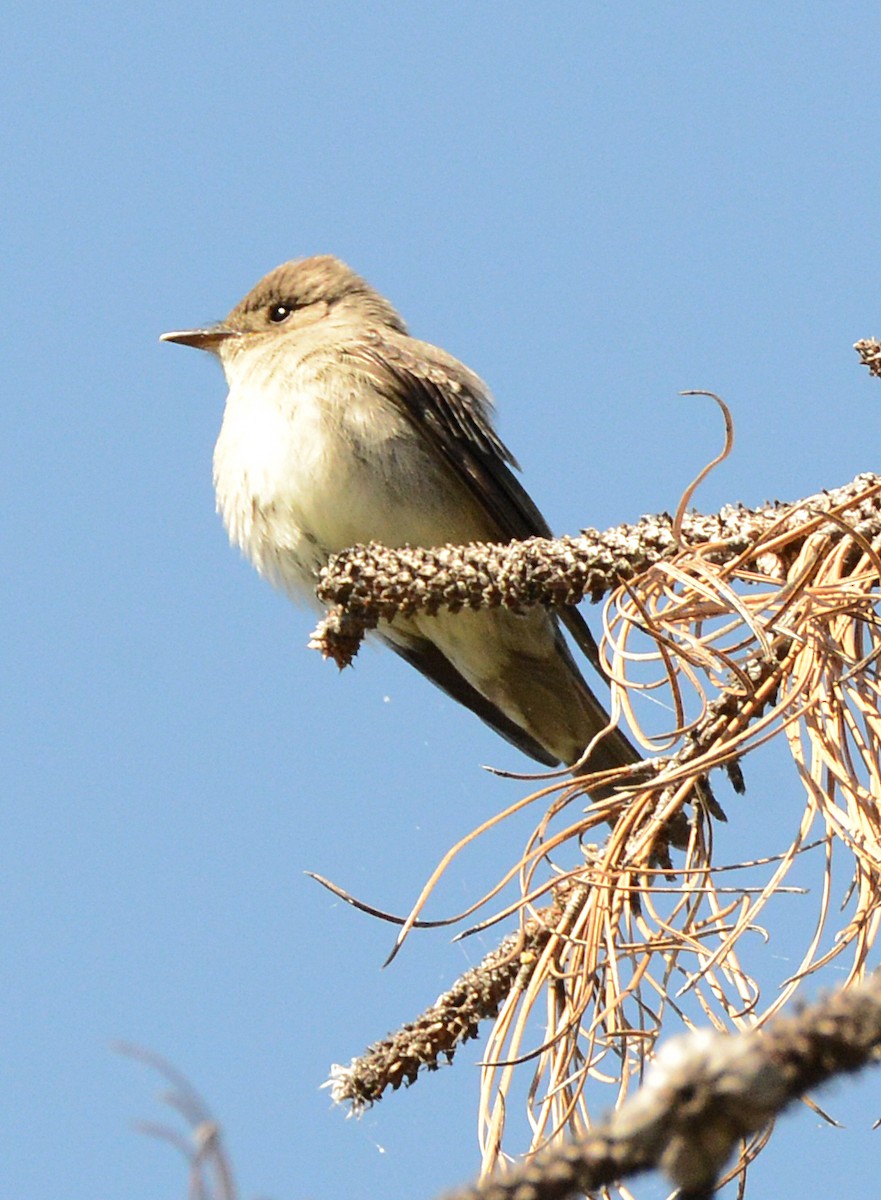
341	428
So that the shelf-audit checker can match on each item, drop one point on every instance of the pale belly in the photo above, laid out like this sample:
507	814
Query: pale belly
296	486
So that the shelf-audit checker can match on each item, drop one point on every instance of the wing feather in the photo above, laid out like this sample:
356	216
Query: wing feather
452	407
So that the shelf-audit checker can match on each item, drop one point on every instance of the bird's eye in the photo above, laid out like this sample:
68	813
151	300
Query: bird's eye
280	312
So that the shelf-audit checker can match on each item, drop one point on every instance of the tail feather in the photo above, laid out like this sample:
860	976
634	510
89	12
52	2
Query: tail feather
516	672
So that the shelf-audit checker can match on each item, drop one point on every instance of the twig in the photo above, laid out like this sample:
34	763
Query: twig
453	1019
371	583
705	1093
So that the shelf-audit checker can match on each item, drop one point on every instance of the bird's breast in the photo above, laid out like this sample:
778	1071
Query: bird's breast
307	469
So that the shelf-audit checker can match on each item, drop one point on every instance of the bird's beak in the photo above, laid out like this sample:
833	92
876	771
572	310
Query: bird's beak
203	339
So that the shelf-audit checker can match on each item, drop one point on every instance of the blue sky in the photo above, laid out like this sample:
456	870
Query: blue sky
594	206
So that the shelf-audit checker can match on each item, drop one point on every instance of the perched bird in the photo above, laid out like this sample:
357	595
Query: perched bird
340	428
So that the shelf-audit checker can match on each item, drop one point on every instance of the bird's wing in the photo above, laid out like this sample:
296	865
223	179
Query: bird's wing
451	406
426	657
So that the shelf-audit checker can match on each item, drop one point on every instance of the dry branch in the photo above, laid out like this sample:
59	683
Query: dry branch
211	1175
753	625
370	583
869	350
441	1029
704	1094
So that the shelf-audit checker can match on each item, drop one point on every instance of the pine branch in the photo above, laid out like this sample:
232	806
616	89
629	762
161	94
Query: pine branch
367	584
704	1094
